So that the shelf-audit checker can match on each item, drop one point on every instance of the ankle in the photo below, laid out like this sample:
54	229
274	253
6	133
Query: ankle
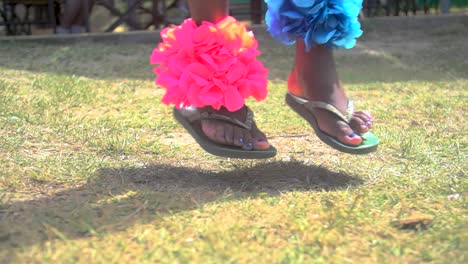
310	86
294	86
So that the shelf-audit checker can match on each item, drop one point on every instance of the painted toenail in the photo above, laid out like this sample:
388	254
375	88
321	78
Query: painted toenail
352	135
369	123
249	145
241	140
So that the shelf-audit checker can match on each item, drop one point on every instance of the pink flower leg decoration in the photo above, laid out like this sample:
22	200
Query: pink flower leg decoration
209	65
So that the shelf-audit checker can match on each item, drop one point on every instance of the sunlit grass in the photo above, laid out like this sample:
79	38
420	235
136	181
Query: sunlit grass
94	169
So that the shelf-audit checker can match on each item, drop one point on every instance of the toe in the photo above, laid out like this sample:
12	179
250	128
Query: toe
229	135
347	135
367	114
215	131
209	129
248	142
238	137
261	144
366	117
259	139
220	134
359	124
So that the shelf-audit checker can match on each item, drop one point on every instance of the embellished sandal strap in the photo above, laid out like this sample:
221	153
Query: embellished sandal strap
195	115
311	105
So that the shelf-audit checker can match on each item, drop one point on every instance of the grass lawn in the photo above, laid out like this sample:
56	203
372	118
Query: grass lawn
93	169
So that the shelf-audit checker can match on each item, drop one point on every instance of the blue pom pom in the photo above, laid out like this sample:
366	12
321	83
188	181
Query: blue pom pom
333	23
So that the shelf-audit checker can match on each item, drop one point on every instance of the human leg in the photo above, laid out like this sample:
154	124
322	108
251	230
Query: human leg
316	27
73	19
208	10
314	77
79	23
71	13
228	74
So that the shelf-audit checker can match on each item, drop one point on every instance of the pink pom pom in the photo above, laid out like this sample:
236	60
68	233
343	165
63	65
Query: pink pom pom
209	65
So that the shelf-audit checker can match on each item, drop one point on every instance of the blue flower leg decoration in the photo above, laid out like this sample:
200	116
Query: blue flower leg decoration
333	23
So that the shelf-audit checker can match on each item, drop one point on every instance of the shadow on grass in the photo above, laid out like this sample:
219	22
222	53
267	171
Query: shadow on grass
119	198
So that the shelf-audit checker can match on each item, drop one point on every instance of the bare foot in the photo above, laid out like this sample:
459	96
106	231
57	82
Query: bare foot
231	135
314	78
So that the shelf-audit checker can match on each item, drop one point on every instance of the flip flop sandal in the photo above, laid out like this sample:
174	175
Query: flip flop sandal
305	108
190	118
